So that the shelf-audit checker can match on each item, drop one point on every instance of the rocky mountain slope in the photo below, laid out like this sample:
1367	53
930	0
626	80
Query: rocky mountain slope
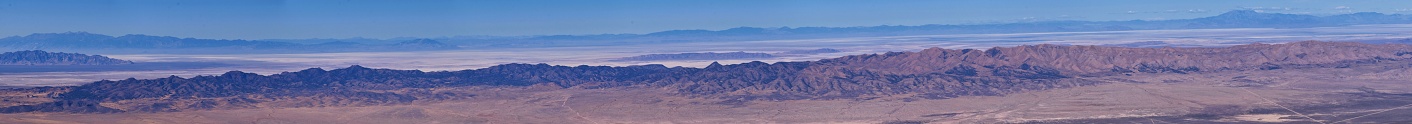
36	57
932	73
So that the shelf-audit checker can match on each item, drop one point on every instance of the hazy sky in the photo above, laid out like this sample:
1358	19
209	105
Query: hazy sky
256	19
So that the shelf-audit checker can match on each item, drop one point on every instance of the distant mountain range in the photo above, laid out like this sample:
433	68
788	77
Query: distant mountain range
1231	19
97	43
932	73
813	51
94	43
36	57
723	56
697	56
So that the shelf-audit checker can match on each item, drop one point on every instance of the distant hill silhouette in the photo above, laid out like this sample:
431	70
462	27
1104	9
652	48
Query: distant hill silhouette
89	42
813	51
1231	19
697	56
36	57
722	56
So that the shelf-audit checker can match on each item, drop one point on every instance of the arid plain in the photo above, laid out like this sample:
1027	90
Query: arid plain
1354	94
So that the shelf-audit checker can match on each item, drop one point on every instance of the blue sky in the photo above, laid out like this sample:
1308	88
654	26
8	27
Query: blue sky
264	19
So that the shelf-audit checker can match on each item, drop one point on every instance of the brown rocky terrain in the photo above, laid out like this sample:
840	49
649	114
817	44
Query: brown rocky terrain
1006	69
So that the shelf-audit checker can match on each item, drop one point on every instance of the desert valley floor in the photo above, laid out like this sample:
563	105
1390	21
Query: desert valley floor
1359	94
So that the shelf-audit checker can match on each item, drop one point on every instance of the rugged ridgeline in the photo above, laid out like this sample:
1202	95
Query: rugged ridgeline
930	73
1098	60
36	57
89	42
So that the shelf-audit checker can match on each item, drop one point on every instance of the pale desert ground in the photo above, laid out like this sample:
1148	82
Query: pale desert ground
1230	97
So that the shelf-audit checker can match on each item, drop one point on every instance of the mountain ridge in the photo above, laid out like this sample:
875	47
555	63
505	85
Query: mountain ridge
89	42
39	57
932	73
